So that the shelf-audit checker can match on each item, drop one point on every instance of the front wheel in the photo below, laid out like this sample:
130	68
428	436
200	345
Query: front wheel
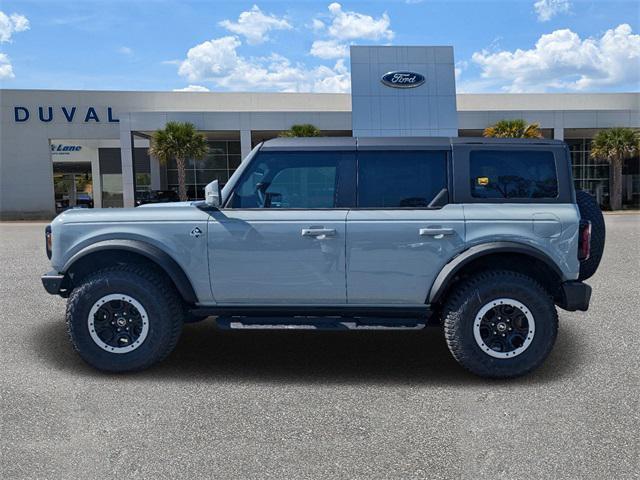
124	318
500	324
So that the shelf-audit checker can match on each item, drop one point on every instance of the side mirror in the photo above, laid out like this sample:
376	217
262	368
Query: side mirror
212	194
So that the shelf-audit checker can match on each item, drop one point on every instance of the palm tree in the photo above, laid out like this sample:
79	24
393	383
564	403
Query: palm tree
517	128
303	130
615	145
179	141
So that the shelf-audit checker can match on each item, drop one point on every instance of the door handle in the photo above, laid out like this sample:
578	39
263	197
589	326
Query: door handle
435	231
318	232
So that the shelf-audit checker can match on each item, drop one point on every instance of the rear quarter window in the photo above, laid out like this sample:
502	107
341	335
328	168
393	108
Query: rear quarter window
513	174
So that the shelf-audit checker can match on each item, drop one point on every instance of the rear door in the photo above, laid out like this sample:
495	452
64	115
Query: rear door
281	237
403	230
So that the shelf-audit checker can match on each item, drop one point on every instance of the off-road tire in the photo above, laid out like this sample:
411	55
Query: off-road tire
590	210
152	290
467	299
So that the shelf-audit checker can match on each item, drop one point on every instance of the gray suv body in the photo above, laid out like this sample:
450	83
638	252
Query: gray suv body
481	236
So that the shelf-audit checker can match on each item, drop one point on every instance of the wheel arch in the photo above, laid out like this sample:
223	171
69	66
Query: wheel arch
498	255
106	253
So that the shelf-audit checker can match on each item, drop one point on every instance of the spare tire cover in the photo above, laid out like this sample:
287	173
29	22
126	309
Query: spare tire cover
590	210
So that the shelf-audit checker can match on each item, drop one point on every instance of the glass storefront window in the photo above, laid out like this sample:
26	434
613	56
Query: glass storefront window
72	186
112	190
142	169
589	174
221	161
111	177
143	182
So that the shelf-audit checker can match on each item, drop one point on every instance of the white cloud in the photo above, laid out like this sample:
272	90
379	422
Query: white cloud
317	25
125	51
10	24
332	80
6	69
562	60
217	61
547	9
211	58
192	88
254	25
329	49
347	25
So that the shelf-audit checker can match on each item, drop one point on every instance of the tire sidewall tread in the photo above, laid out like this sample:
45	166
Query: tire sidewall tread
471	295
152	290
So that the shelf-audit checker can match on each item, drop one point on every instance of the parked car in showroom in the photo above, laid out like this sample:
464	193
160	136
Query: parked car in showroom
485	237
83	200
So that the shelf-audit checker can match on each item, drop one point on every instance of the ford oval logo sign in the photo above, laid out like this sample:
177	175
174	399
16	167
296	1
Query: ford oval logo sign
402	79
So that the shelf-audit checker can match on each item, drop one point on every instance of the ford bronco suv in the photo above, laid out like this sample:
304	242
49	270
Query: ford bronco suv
482	236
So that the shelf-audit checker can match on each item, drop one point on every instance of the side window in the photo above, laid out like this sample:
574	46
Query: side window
289	180
400	179
513	174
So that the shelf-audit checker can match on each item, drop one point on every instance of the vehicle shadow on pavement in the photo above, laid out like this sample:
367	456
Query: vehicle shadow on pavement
206	354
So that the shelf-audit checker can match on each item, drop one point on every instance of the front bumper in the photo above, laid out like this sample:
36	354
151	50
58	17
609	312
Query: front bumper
574	296
53	283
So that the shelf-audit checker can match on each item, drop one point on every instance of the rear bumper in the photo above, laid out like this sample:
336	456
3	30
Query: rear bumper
52	283
575	296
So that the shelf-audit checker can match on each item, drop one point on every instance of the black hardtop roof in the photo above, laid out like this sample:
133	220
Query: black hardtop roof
398	143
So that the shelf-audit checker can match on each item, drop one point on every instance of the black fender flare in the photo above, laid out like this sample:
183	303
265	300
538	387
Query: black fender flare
153	253
449	271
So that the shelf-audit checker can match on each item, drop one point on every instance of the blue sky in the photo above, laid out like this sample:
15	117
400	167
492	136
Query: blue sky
514	46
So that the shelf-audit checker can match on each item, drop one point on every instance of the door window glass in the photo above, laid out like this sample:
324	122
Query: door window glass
400	179
289	180
513	174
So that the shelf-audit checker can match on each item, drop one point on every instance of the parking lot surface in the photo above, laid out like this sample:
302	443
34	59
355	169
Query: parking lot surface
319	405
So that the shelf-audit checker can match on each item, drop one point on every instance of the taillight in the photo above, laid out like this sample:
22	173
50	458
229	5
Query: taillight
584	243
48	240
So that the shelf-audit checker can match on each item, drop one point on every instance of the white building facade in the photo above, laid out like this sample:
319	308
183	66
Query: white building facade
60	149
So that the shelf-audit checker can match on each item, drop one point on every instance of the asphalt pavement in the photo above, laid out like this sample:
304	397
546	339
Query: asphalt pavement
319	405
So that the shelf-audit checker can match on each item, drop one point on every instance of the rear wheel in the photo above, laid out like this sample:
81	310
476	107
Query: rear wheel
124	318
500	324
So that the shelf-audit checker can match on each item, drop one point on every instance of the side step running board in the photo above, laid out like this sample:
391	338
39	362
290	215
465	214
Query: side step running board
348	311
318	323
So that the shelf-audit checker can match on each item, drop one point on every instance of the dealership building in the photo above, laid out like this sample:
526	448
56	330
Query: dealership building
60	149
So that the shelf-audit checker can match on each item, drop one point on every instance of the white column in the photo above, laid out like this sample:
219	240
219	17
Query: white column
558	133
96	180
245	143
126	157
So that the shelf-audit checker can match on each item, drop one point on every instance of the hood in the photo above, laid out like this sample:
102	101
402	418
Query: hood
158	212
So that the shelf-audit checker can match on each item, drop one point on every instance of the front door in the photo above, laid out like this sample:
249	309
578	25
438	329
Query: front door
281	237
403	231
